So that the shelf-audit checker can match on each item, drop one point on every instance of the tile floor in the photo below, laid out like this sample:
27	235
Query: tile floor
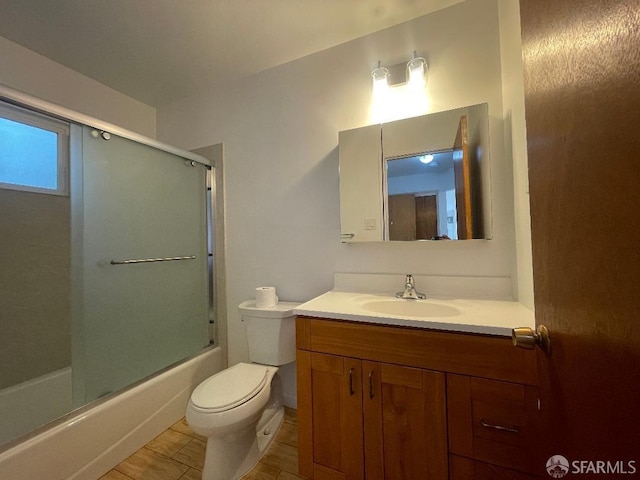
178	454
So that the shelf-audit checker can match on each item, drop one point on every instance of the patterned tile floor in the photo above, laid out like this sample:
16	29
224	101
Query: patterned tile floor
178	454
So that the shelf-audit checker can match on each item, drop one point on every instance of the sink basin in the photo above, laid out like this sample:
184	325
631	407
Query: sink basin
410	308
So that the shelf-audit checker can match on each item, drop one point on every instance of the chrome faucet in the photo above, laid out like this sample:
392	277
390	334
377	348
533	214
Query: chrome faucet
409	292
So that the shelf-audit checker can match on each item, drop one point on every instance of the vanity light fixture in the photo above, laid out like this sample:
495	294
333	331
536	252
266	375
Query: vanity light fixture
413	73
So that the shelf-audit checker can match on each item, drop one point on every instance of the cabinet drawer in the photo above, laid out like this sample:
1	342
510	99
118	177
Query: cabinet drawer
494	422
461	468
463	354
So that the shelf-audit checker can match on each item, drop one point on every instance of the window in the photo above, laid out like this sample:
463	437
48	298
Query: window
34	151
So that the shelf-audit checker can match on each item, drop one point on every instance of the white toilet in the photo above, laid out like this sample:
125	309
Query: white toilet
240	409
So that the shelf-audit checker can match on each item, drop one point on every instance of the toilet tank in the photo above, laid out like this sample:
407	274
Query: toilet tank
271	332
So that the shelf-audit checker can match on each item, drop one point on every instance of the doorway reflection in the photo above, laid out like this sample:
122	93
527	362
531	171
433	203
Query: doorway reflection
421	197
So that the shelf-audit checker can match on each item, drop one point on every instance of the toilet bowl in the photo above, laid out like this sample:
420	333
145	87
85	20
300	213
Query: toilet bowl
240	409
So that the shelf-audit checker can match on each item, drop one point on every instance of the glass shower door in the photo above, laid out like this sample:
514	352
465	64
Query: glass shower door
140	311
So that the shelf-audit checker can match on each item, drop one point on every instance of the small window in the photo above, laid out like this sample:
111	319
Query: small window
34	151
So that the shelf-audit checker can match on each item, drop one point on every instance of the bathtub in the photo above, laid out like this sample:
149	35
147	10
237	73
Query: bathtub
22	407
90	442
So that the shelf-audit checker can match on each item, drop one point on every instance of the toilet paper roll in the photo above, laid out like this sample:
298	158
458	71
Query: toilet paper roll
266	297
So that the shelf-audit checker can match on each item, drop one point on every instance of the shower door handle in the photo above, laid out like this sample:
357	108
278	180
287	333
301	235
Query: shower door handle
150	260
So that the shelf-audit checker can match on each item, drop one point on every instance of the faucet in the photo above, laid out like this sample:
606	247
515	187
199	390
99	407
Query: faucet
409	292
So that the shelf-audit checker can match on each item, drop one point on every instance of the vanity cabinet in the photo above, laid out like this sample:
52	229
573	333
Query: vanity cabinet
383	419
385	402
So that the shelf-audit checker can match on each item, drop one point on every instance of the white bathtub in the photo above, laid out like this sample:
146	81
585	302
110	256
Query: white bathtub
35	402
90	443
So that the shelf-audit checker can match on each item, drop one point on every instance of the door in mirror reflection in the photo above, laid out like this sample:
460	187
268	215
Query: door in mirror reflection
421	197
429	195
462	175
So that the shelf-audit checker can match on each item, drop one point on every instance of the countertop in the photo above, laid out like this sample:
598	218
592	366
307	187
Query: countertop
490	317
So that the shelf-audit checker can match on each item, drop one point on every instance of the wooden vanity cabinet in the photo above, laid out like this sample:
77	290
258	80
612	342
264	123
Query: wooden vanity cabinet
387	420
394	403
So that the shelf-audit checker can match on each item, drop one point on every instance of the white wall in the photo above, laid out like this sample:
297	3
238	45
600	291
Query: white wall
516	143
280	131
426	182
31	73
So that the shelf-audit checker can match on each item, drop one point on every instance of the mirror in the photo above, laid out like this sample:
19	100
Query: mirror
421	197
421	178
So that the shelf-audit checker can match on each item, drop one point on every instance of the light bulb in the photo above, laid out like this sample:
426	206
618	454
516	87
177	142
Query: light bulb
380	77
417	71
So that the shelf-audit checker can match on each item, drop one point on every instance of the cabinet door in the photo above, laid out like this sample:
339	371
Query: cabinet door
360	153
330	425
405	423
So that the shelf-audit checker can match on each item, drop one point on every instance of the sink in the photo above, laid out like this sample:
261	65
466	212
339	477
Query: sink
410	308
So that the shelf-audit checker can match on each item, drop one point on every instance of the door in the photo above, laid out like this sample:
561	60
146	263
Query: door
402	217
405	423
426	217
329	387
582	102
462	172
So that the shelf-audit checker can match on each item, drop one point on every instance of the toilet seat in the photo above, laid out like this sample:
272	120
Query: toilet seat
230	388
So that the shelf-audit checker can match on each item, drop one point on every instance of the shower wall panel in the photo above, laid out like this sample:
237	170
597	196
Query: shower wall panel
34	285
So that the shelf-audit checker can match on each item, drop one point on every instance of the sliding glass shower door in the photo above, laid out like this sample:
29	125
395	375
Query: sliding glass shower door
142	269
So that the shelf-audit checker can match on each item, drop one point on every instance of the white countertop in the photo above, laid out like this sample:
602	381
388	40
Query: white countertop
489	317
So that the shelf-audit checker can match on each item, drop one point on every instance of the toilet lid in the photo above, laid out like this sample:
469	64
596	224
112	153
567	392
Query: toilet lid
230	388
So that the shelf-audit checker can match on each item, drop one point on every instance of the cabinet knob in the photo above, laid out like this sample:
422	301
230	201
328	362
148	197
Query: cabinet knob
525	337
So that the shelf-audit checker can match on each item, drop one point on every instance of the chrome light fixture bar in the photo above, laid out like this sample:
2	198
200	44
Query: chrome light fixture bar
413	73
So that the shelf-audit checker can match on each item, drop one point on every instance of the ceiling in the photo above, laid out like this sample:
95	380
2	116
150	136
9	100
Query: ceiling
158	51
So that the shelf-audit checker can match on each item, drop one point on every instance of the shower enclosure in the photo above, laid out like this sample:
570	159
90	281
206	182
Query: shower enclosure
106	282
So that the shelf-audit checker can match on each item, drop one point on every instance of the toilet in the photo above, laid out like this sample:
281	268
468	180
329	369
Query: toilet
240	409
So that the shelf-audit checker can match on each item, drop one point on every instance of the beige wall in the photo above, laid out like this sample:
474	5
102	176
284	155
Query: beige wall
516	143
31	73
280	132
34	285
